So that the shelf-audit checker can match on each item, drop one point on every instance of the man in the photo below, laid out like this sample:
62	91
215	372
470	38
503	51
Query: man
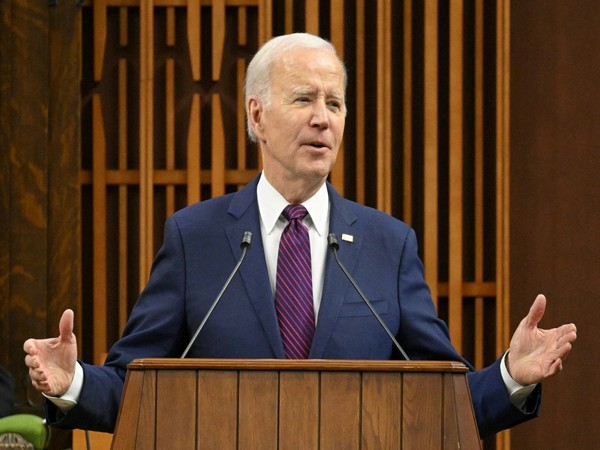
295	103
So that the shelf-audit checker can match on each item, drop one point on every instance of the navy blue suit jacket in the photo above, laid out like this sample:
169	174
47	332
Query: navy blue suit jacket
201	246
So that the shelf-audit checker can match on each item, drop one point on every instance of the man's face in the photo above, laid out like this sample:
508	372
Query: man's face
301	128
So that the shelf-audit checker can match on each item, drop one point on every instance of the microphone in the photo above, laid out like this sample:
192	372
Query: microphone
246	241
334	245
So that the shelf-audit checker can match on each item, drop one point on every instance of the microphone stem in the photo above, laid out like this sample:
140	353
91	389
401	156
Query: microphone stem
368	303
208	314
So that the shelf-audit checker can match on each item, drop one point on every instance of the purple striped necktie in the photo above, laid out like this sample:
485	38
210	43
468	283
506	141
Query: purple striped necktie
293	289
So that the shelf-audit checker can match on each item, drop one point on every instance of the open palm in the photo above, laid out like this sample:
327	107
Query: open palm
536	354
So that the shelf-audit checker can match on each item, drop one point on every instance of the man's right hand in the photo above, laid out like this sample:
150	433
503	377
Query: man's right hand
52	361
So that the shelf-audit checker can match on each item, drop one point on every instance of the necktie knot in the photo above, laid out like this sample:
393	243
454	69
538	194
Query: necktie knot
294	212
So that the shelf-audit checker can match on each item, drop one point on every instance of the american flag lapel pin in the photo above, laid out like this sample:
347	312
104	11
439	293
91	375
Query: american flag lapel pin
347	237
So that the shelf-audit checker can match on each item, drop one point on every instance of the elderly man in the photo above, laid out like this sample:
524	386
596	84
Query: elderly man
290	299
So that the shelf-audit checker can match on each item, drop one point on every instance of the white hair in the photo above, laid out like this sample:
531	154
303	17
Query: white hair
258	74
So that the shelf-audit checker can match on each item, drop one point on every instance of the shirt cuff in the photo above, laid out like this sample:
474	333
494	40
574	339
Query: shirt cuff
69	399
517	393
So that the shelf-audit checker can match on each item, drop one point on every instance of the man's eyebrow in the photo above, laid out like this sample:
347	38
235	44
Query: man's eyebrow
303	91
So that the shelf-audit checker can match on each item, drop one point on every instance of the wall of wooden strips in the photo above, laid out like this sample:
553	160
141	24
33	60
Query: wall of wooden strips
163	126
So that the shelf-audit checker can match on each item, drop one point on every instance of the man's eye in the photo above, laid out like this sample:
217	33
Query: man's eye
335	105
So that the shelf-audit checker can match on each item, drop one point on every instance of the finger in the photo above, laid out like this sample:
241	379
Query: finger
32	362
536	312
65	325
29	346
555	367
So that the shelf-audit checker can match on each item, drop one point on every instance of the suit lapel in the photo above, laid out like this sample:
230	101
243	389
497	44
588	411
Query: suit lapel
335	287
253	271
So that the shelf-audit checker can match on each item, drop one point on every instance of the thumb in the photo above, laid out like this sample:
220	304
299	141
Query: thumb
65	326
536	312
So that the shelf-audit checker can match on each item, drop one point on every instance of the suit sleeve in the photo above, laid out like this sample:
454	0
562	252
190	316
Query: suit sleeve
425	337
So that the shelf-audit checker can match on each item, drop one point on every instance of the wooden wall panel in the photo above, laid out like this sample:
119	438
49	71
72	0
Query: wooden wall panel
555	203
39	171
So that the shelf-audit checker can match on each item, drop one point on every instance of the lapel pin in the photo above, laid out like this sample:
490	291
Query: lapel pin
347	237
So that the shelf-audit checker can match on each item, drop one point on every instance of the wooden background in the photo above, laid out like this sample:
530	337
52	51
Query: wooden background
555	203
116	113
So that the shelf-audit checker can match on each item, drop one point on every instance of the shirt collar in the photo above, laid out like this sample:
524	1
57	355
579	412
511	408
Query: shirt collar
271	204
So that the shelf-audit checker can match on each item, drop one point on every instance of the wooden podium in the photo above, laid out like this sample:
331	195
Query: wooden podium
283	404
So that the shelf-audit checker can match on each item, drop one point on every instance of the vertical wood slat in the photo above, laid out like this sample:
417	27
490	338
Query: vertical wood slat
290	434
289	16
135	388
407	105
479	182
170	110
502	187
340	402
193	181
123	27
218	36
265	21
146	140
241	117
461	395
218	148
384	107
99	191
381	417
455	188
177	396
502	174
311	16
170	27
217	406
170	131
450	417
99	231
258	404
430	164
360	103
123	189
148	405
100	33
337	38
194	35
420	393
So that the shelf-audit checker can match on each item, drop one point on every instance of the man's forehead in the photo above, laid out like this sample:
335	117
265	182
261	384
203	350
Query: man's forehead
306	71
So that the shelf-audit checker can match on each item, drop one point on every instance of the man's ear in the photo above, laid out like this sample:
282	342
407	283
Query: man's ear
255	111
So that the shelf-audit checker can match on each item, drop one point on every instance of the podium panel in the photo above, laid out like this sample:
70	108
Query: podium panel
283	404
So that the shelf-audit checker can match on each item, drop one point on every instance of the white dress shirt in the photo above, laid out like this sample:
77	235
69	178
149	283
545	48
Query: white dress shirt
271	205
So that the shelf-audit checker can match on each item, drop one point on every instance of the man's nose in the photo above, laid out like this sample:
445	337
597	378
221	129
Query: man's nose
320	116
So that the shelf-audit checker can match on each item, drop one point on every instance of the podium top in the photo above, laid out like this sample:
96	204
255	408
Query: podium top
305	364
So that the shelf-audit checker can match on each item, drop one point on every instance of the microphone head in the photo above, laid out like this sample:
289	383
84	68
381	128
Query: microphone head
332	241
247	239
